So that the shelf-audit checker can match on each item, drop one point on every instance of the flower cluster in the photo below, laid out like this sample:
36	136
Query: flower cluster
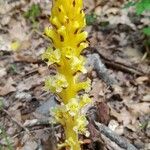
69	40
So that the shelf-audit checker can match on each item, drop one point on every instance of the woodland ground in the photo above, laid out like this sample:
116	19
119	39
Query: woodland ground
121	92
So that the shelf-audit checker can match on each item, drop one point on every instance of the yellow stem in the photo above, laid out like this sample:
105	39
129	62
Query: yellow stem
69	132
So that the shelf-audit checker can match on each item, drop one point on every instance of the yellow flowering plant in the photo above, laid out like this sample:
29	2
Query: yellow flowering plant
69	40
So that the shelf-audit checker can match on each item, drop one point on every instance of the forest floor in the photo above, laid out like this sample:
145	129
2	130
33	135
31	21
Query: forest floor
120	81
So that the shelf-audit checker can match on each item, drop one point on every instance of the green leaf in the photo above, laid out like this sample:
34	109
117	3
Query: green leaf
90	19
129	4
33	12
142	5
146	31
104	24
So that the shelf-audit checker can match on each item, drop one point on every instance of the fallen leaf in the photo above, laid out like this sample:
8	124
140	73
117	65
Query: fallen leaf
8	88
2	72
146	98
123	117
29	83
97	90
103	112
30	145
141	79
139	108
23	58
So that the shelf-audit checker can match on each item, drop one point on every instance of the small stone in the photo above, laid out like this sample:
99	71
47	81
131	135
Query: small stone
45	108
113	124
31	145
120	130
23	96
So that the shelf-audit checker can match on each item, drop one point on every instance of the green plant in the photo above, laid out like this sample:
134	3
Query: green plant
90	19
69	40
4	135
140	7
33	13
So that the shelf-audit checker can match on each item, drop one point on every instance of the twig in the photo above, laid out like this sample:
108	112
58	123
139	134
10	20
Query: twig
15	121
98	65
123	143
123	67
118	65
36	122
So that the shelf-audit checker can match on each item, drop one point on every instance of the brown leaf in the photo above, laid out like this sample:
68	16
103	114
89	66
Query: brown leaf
103	112
139	108
141	79
97	90
146	98
30	82
123	117
23	58
2	72
8	88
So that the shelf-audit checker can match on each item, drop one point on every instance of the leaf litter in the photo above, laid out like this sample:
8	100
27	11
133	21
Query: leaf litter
123	106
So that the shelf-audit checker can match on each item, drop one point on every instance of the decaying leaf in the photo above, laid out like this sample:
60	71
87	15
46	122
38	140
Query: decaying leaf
7	88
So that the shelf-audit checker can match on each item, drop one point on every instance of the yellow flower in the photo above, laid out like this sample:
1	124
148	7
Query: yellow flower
84	100
70	143
73	107
69	40
81	123
56	83
84	85
53	56
77	64
68	52
61	114
15	45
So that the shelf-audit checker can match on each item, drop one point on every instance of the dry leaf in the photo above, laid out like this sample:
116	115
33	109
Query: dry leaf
123	117
8	88
102	112
141	79
146	98
2	72
139	108
97	90
30	82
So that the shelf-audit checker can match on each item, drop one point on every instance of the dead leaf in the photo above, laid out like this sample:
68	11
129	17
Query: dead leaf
18	30
103	112
23	58
141	79
8	88
139	108
117	89
2	72
29	83
146	98
97	90
30	145
114	126
123	117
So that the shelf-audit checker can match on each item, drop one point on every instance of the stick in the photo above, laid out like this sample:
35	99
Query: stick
114	137
15	121
100	68
117	65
